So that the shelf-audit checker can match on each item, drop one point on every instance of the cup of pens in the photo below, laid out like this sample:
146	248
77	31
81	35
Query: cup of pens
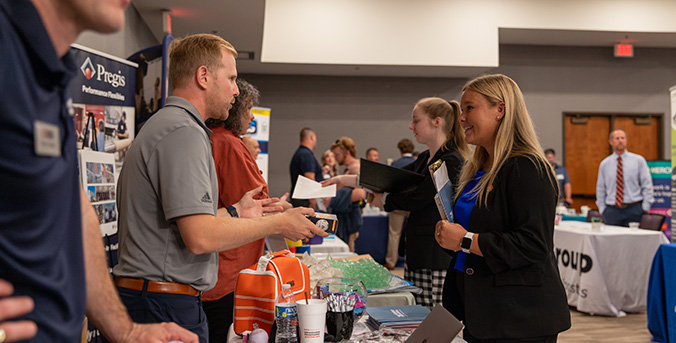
343	297
340	316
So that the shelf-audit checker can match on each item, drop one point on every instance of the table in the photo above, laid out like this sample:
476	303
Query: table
330	244
373	236
661	296
605	273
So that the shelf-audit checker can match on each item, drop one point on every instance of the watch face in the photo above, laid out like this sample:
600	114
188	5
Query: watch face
466	243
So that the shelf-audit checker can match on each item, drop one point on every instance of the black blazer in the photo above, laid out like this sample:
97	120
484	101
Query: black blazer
515	290
422	250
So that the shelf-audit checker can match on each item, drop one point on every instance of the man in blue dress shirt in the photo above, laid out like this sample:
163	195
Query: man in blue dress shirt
624	189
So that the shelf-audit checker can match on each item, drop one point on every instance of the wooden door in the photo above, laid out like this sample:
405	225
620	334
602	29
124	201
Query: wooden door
586	145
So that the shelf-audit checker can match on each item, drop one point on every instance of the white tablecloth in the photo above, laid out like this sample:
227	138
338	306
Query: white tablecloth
330	244
605	272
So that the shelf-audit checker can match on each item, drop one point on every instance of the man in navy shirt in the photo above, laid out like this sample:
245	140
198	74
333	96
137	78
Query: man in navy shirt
304	163
50	242
565	189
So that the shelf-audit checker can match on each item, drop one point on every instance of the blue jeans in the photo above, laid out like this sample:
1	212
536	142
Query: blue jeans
184	310
622	216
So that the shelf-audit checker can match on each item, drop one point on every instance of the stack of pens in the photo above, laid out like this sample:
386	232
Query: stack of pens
341	302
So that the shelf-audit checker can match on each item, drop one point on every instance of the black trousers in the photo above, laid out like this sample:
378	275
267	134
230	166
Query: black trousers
219	316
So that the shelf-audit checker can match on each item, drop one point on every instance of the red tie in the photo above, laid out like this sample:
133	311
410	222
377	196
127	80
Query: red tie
619	189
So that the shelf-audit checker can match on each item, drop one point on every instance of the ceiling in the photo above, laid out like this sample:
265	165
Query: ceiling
241	23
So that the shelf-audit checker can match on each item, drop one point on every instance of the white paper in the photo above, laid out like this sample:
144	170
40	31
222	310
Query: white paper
440	176
310	189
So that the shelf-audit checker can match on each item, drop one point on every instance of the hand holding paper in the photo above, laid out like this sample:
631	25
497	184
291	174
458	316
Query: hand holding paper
310	189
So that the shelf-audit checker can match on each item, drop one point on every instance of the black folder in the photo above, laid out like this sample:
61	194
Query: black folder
381	178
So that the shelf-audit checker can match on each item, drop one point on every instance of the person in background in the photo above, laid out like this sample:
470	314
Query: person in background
170	226
396	218
122	127
345	151
405	147
63	269
415	154
237	173
101	136
504	283
565	189
372	154
624	188
434	124
253	146
329	166
304	163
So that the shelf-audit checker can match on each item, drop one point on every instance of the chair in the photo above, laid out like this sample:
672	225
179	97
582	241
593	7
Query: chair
652	221
593	214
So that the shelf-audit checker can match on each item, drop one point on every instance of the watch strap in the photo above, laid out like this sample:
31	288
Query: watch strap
232	211
466	243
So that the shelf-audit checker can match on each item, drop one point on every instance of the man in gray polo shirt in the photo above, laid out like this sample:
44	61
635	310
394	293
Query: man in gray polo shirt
169	227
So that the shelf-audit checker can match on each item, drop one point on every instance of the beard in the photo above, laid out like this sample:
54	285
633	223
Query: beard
217	109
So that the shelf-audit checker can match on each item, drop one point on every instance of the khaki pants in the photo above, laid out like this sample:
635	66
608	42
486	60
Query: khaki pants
396	224
350	241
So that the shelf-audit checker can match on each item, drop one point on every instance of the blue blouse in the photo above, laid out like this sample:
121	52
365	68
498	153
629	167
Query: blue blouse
463	209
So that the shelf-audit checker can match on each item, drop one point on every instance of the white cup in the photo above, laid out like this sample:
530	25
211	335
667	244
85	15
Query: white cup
597	226
633	226
584	210
311	320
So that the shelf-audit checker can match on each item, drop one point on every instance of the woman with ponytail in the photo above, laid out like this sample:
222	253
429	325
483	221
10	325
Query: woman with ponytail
434	123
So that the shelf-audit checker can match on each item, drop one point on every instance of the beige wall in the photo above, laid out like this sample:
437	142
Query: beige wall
376	111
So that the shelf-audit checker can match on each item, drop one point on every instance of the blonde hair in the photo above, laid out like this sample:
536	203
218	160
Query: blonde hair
448	111
347	144
515	135
191	52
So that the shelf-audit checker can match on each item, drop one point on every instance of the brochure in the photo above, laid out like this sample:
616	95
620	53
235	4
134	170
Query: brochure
444	186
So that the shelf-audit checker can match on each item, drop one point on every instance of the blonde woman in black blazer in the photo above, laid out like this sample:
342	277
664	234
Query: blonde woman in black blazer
504	283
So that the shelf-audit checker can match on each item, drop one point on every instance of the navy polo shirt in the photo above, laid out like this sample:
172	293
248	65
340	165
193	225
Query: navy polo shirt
40	220
304	161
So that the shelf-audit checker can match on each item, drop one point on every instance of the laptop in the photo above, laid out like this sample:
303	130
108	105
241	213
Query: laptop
275	243
440	326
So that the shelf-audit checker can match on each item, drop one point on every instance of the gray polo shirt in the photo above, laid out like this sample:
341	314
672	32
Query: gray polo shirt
168	172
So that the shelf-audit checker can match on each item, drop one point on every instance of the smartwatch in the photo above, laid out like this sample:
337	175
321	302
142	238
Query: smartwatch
232	211
466	242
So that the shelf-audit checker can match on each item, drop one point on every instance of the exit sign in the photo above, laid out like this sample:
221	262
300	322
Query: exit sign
624	50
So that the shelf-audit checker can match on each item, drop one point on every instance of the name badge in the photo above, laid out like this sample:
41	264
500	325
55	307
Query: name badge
47	139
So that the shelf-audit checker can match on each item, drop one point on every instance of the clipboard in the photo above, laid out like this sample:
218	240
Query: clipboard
381	178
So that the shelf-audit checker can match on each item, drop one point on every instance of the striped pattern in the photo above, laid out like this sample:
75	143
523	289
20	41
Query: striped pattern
619	187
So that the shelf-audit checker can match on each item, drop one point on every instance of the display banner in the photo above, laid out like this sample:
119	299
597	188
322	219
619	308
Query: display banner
103	111
660	171
259	128
672	92
103	101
